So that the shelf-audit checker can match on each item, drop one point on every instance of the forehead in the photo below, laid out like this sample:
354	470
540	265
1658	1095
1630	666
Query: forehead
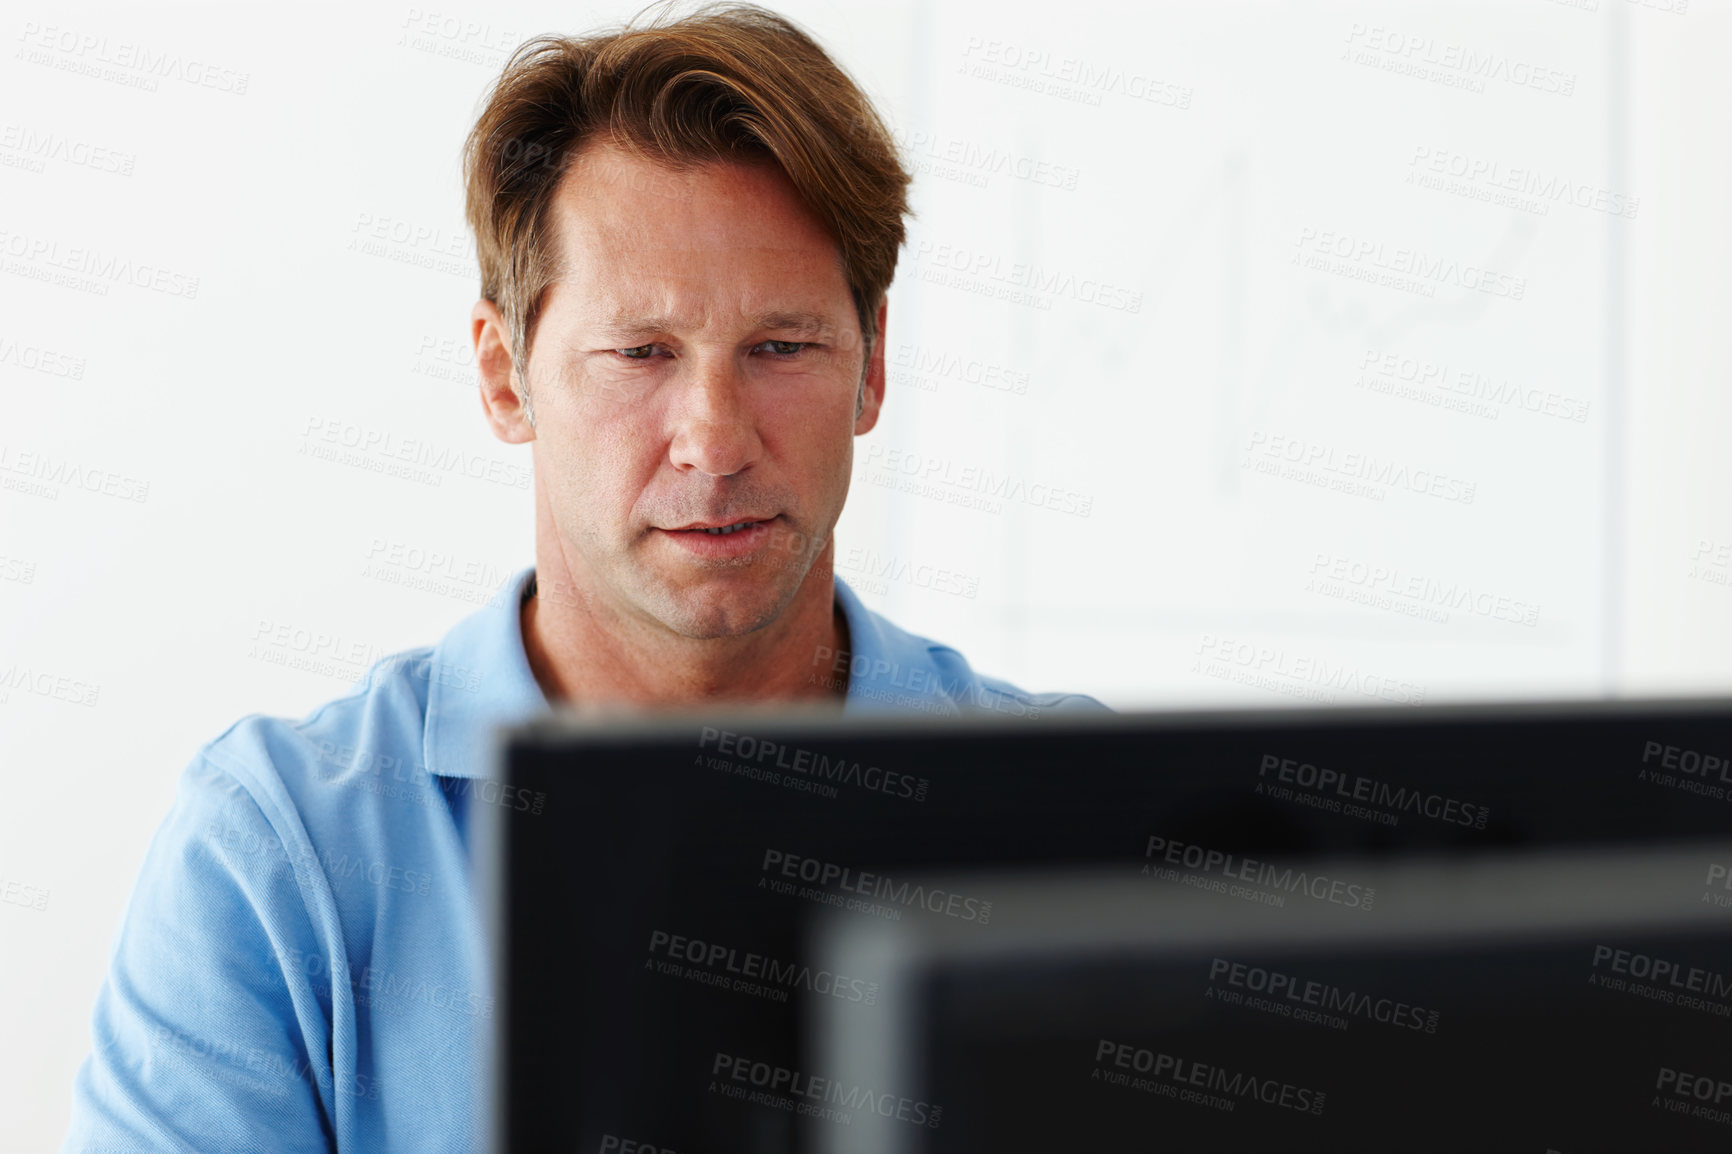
630	233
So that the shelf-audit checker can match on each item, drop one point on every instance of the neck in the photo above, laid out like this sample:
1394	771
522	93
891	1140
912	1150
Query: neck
584	655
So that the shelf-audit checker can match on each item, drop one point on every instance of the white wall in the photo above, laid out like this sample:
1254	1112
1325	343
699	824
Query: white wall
1202	154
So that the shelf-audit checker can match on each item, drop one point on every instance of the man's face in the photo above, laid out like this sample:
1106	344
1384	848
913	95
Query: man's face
695	367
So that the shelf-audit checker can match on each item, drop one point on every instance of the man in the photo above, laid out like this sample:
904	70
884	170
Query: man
686	233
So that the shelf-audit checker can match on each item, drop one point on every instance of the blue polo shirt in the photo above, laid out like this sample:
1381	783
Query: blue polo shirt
301	963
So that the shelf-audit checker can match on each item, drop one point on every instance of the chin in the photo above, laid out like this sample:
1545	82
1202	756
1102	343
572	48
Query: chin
722	608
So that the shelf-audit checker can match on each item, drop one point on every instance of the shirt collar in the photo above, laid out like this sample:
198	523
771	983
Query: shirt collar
889	670
480	679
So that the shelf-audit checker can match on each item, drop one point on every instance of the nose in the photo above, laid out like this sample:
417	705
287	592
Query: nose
715	424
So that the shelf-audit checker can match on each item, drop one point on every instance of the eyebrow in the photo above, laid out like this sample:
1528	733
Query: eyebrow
630	328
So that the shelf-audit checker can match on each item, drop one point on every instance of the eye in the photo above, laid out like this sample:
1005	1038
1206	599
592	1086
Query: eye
640	353
786	348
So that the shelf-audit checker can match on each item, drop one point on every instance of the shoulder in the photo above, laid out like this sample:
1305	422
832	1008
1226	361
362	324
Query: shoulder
295	828
983	692
376	727
890	667
308	805
230	985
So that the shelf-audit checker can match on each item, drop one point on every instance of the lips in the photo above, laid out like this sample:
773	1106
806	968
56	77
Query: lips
729	541
720	528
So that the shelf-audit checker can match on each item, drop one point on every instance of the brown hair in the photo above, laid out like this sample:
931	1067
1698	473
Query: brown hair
729	82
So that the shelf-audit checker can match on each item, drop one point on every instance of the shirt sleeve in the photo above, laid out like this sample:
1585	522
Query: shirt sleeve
204	1037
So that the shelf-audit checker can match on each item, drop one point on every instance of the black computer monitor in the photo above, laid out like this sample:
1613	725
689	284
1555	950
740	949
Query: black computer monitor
1572	1001
660	988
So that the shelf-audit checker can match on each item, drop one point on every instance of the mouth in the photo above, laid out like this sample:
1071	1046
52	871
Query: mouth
718	541
718	530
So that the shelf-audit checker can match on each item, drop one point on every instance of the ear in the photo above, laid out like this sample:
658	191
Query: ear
873	396
499	398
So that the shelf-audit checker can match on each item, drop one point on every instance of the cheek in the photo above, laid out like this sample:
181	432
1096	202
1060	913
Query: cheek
598	457
819	453
822	413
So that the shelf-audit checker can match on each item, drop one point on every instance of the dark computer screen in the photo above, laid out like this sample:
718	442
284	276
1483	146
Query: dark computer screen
658	984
